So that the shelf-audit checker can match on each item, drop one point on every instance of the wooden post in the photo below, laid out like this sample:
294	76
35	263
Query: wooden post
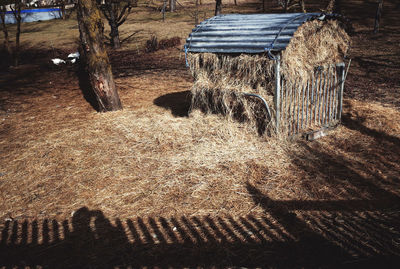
378	16
95	56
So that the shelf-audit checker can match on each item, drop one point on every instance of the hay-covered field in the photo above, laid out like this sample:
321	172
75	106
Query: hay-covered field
155	186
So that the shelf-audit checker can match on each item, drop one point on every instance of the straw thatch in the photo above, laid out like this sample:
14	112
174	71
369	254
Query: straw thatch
316	43
221	79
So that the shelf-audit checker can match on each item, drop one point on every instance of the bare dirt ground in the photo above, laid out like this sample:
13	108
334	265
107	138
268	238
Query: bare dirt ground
155	186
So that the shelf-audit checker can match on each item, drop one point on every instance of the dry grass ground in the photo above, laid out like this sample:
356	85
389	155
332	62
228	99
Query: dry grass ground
152	186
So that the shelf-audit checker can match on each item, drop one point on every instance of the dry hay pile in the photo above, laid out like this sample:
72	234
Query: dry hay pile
222	79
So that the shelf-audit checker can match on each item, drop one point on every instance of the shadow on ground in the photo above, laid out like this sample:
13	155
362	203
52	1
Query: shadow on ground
177	102
281	240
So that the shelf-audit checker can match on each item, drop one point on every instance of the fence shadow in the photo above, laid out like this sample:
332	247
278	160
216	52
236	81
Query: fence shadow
279	239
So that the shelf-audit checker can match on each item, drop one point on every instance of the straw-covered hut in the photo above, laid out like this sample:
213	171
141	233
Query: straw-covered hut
272	70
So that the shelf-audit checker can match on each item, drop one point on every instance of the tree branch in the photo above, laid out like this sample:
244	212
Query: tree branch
125	16
123	11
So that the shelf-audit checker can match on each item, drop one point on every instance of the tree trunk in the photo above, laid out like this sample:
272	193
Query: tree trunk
338	7
303	6
17	37
17	15
172	5
285	5
218	7
114	33
331	6
5	30
378	16
196	17
163	9
95	56
62	9
235	2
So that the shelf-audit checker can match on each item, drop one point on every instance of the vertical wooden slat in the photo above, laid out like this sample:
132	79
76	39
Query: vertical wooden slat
281	100
289	122
321	103
298	91
308	100
277	90
312	101
294	106
317	95
335	105
322	92
326	102
284	85
331	93
341	68
303	89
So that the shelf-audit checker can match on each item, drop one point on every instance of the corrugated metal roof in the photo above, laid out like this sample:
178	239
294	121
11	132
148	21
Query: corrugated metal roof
251	33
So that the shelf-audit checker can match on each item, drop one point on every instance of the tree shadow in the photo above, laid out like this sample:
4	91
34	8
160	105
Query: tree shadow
333	232
178	102
132	62
86	87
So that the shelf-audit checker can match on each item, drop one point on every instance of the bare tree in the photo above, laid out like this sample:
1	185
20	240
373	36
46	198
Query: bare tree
196	14
218	7
164	7
172	5
291	4
378	16
116	13
95	57
285	5
16	10
303	6
331	6
7	45
61	4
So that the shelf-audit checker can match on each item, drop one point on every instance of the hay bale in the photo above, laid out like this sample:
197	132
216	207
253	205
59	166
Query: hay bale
221	79
315	43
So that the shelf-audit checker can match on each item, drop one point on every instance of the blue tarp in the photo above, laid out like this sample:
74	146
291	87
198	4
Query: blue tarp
32	15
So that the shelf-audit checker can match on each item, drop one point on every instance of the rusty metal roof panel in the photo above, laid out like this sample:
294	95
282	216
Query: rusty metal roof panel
251	33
